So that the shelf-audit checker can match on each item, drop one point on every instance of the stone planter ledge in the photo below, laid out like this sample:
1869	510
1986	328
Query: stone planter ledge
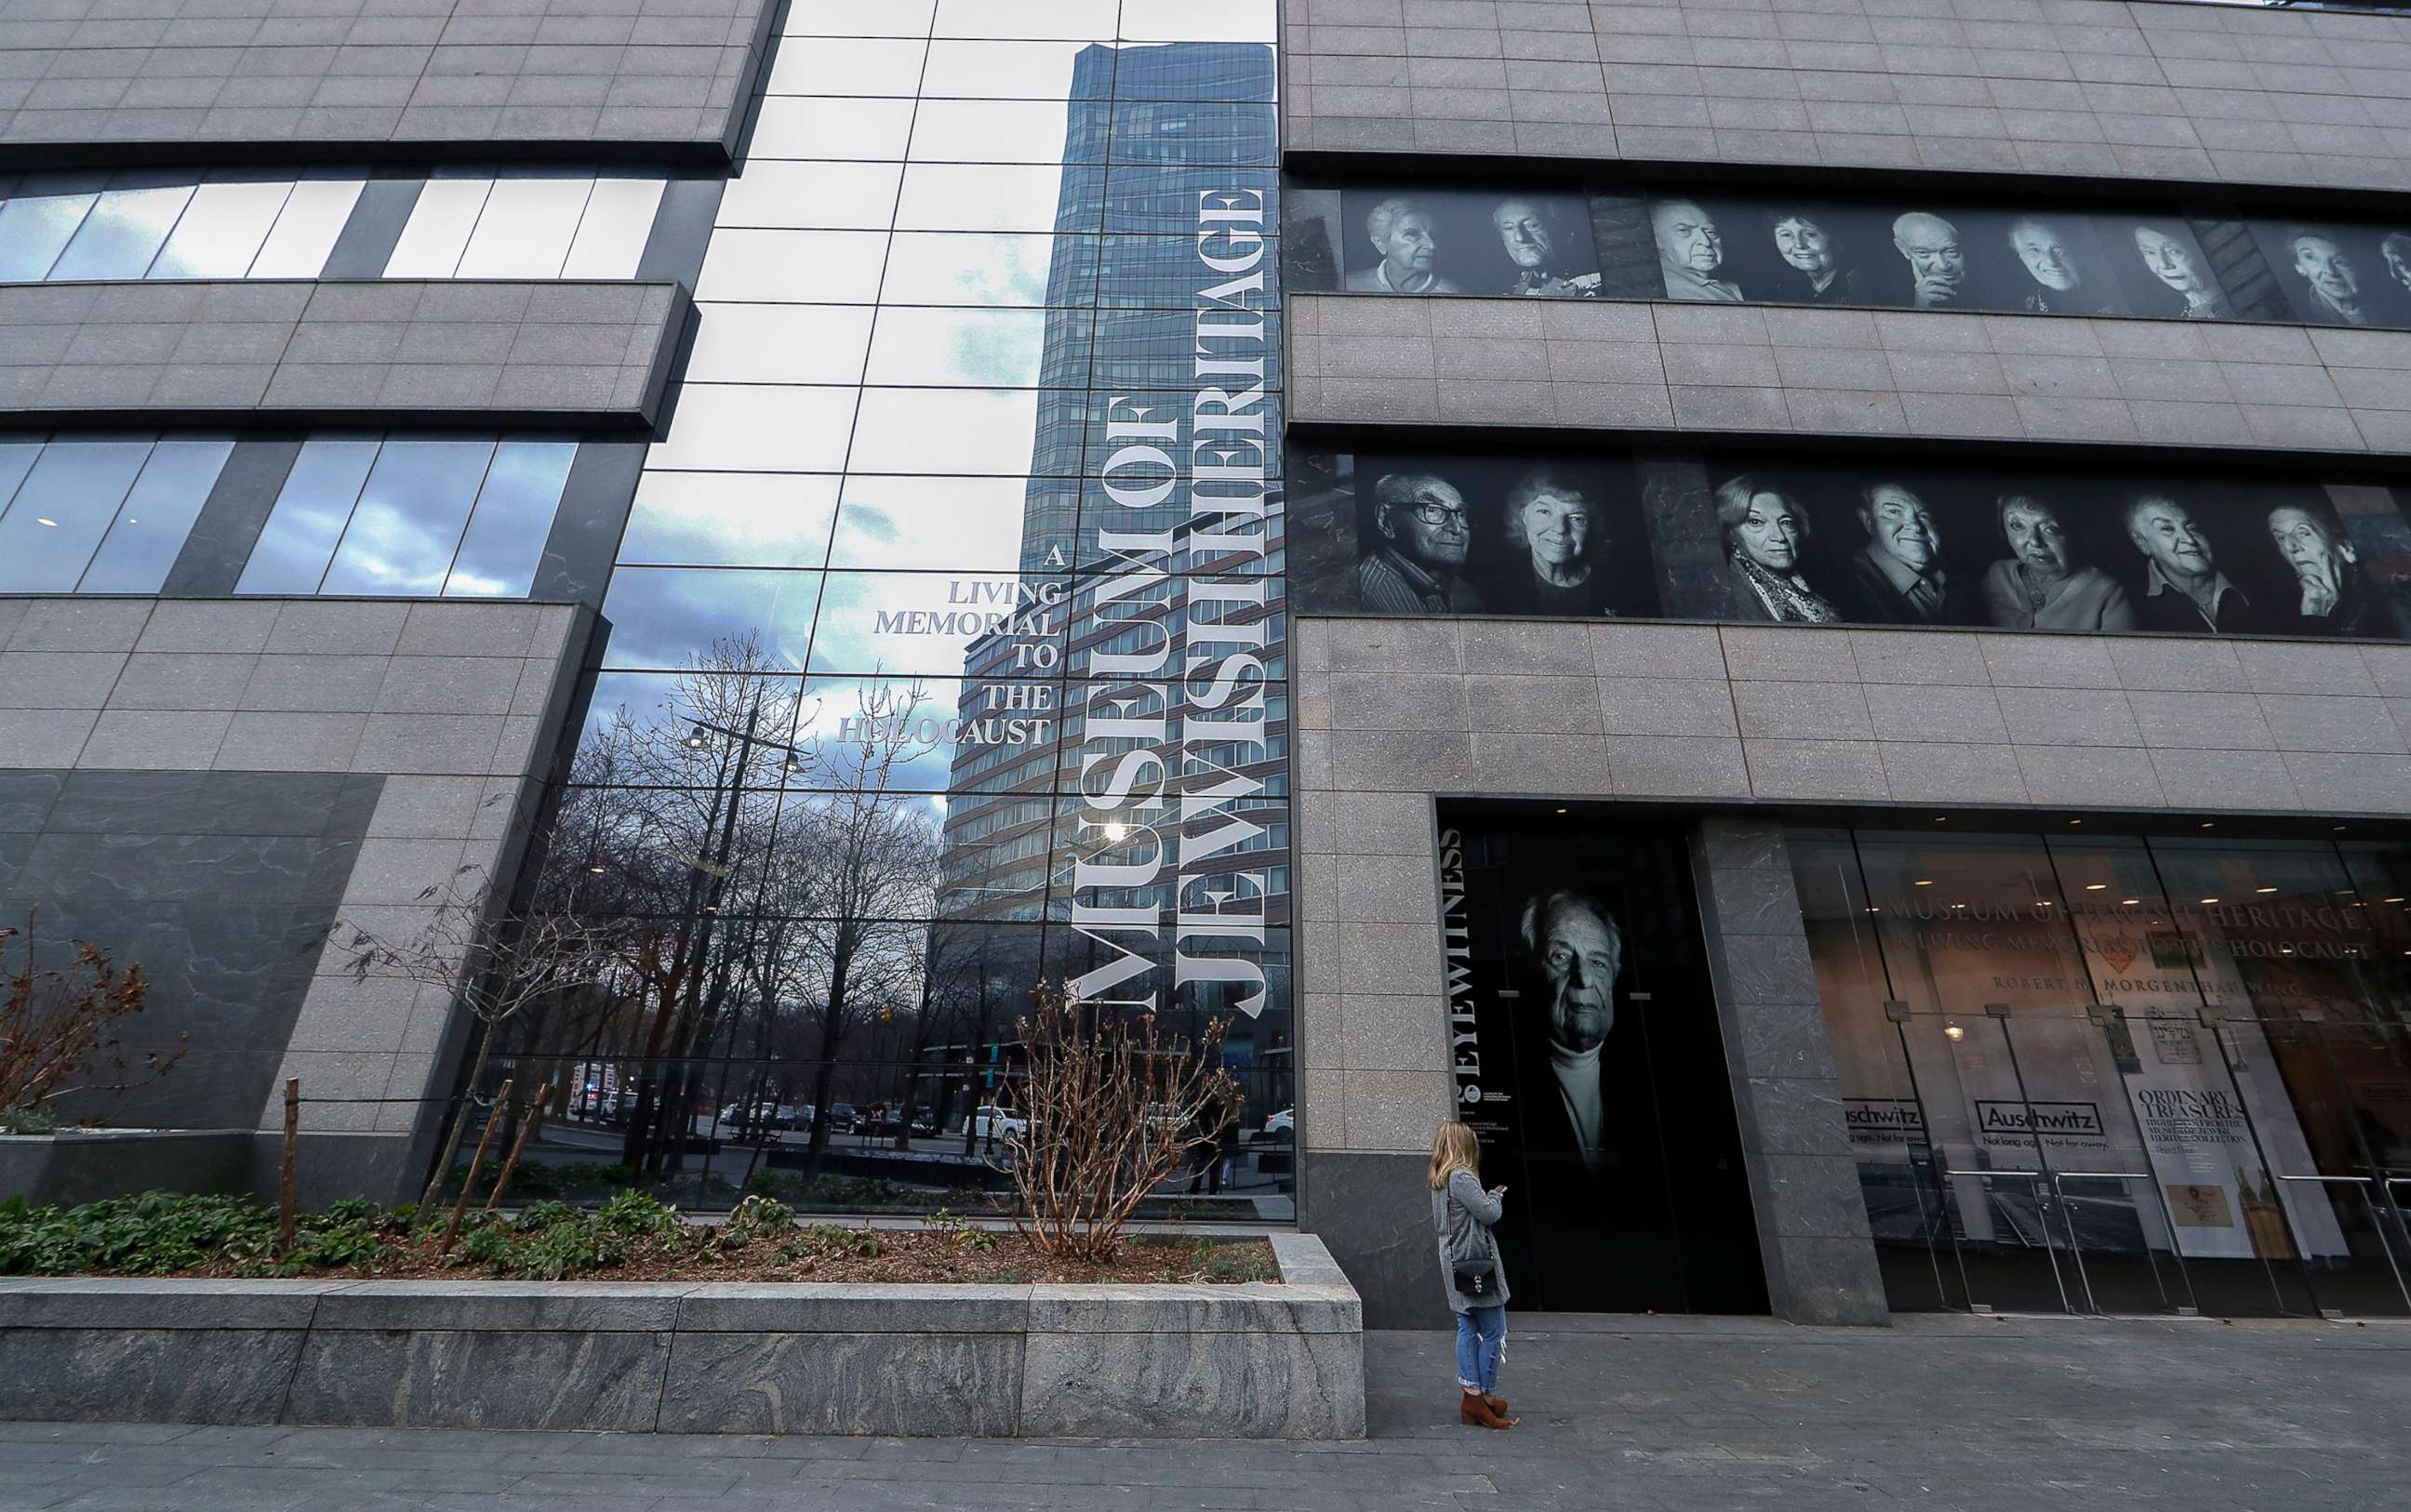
1252	1360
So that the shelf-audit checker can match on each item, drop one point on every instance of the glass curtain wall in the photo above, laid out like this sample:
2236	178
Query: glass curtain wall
946	647
2113	1074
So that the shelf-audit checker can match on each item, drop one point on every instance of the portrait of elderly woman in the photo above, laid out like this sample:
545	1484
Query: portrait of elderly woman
1552	559
2040	585
1766	535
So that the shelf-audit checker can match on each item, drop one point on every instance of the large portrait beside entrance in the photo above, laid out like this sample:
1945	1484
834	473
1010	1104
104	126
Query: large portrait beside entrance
1588	1062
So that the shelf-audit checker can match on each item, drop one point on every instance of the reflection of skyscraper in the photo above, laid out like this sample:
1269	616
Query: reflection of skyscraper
1148	139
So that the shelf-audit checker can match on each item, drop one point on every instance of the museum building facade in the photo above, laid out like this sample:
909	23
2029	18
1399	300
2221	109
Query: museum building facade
1796	611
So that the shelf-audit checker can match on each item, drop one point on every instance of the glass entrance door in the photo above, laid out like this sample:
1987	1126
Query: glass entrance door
2349	1176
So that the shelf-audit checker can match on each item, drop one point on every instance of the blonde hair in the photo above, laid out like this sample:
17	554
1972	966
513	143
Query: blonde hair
1453	1148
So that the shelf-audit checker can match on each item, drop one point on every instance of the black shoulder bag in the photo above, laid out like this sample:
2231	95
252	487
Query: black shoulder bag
1474	1280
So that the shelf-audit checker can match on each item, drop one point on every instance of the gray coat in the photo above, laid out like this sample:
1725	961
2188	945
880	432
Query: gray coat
1462	1216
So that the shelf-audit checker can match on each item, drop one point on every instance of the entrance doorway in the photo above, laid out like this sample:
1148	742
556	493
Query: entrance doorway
1589	1063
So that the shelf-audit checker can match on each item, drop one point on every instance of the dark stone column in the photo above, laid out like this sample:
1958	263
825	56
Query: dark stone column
1812	1223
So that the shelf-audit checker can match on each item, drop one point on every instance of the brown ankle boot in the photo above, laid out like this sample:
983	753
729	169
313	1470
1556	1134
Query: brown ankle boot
1497	1403
1474	1412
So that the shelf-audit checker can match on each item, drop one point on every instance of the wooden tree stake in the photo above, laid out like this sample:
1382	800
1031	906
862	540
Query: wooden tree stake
527	1129
284	1182
468	1183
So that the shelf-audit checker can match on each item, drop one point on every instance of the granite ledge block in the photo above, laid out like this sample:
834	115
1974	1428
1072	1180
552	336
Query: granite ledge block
1250	1308
149	1376
163	1303
925	1385
514	1307
1194	1386
837	1307
487	1379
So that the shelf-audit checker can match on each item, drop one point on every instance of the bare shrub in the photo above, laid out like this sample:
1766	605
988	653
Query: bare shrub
60	1029
1114	1106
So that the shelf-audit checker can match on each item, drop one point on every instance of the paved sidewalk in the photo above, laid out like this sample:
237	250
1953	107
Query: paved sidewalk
1935	1415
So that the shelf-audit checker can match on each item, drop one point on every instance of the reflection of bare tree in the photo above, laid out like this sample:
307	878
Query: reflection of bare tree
764	899
873	861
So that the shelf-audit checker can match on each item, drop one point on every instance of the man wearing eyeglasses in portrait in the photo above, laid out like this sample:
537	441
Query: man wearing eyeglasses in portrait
1417	560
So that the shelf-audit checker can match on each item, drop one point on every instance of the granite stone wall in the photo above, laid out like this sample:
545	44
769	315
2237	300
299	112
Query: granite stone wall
161	82
1393	713
589	354
213	788
2135	89
1925	374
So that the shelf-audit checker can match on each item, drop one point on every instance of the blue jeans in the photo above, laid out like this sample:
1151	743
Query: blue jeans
1480	1344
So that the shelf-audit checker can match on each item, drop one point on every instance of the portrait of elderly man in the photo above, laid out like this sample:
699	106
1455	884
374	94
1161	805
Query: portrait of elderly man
1805	242
1408	246
1937	261
2183	588
2170	254
1690	250
1417	557
1766	534
2337	598
2040	585
1555	549
2332	295
2056	284
1897	577
2396	250
1574	952
1530	236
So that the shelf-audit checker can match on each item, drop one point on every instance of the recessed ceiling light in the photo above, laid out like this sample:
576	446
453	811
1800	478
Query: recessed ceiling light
2075	822
1925	882
2209	900
2205	823
2264	890
2128	903
2095	887
2394	900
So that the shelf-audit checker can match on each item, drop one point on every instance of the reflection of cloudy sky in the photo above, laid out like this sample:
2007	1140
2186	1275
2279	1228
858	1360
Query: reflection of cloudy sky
409	518
980	431
991	268
992	348
736	519
661	616
935	524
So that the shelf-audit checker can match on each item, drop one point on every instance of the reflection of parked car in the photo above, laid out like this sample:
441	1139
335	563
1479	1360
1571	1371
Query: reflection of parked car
995	1122
843	1118
1282	1124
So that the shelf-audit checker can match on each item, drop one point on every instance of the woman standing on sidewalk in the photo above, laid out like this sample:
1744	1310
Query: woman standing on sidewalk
1462	1216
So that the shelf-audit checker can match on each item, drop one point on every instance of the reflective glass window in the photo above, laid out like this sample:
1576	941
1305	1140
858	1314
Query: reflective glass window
525	227
618	223
37	226
157	515
811	195
736	519
947	197
1003	269
852	17
407	525
1195	134
222	230
965	348
739	427
62	510
862	129
779	344
944	525
881	66
123	234
439	229
1240	72
761	266
1000	131
514	516
306	228
295	545
17	459
1170	198
664	617
1082	18
1016	70
977	431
